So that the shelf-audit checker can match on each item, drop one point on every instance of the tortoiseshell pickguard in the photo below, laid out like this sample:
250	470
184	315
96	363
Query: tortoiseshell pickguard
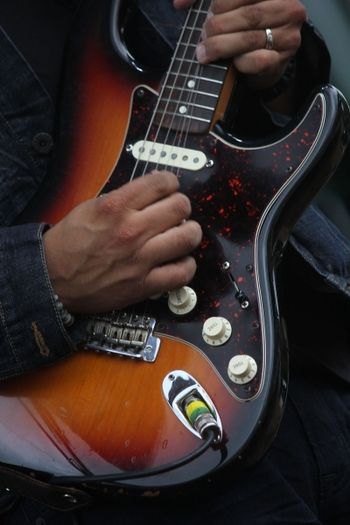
229	199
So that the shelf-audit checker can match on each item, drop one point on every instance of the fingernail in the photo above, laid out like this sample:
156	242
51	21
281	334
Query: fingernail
201	53
204	33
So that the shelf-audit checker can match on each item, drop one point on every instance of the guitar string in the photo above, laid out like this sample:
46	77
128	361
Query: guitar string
171	71
138	159
194	69
182	134
156	110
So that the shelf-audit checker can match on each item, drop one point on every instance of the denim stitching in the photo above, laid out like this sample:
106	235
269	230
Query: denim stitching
9	338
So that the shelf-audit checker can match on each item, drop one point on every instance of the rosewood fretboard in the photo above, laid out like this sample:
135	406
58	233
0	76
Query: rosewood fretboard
190	91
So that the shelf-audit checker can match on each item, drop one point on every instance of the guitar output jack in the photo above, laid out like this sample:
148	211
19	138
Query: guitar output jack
192	405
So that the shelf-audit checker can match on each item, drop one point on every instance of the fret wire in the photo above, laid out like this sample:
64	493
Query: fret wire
197	12
192	117
172	119
186	45
196	92
182	50
193	28
214	66
179	102
205	79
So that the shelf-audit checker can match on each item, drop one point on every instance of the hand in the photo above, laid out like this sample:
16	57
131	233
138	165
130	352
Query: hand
236	28
124	246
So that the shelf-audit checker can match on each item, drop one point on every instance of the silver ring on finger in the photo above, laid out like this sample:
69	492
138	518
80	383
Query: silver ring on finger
269	38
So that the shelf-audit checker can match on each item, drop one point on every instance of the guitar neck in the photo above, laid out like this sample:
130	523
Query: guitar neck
190	91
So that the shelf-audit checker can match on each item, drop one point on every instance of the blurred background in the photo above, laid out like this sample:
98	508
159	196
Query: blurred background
332	18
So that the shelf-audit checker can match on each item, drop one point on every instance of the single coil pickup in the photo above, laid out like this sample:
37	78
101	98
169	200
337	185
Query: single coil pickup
169	155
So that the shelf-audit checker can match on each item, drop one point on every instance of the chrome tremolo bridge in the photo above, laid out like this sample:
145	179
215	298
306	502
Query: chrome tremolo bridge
123	334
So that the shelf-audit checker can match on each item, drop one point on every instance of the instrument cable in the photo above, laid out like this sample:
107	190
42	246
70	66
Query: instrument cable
209	439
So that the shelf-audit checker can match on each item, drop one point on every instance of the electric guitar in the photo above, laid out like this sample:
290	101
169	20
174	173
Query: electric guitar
191	383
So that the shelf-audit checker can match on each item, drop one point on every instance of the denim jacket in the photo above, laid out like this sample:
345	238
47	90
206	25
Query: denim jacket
31	330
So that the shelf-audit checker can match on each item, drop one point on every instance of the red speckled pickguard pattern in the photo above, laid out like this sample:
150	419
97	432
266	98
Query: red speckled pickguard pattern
229	200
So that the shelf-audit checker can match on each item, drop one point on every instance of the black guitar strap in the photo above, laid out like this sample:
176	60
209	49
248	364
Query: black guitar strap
13	484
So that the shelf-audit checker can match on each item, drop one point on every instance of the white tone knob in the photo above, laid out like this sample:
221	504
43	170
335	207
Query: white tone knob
182	301
216	331
242	369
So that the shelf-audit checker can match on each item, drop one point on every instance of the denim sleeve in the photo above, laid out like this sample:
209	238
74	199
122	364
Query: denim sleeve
324	248
32	334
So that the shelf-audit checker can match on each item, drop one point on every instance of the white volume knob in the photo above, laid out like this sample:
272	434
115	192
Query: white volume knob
216	331
182	301
242	369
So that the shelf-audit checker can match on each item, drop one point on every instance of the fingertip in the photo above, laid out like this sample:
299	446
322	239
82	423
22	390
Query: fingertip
183	271
182	4
170	175
201	53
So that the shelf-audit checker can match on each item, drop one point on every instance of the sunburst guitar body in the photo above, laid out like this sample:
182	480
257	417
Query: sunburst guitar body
207	360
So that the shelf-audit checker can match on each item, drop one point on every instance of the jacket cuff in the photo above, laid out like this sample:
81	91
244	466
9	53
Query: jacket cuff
31	329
